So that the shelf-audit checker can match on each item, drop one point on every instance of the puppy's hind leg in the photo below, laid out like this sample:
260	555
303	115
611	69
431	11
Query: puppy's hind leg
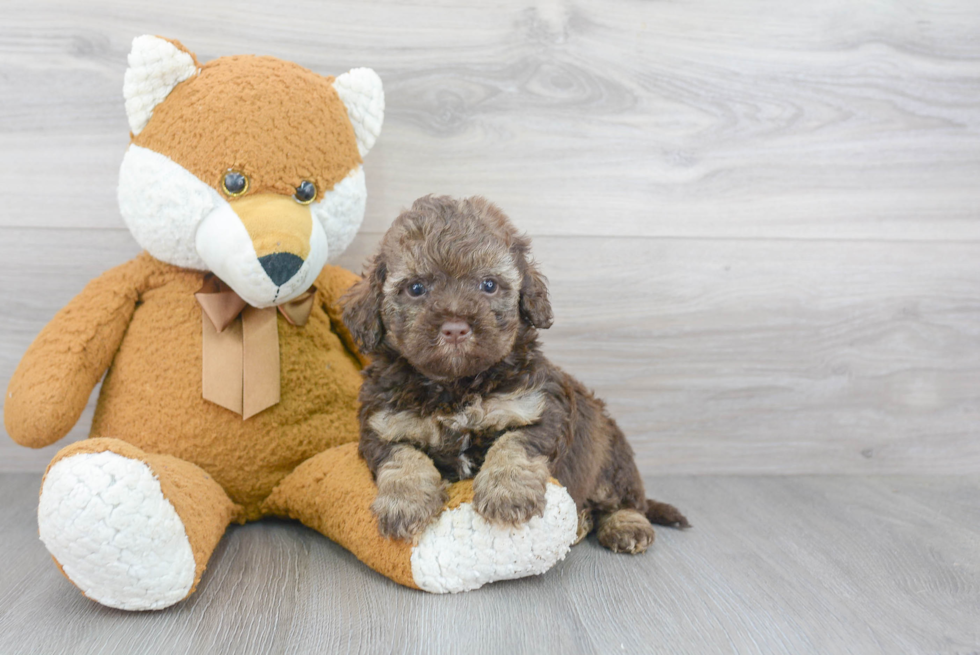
628	530
624	512
625	531
621	523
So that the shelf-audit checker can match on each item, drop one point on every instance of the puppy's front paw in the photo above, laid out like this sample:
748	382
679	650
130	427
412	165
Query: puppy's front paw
403	517
410	494
509	496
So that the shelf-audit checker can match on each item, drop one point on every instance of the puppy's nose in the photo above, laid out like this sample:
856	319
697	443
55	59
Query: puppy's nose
455	331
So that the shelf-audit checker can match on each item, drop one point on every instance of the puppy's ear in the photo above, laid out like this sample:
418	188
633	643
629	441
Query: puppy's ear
534	304
362	308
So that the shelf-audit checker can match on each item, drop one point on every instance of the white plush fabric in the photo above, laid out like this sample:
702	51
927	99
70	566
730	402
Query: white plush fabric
461	551
105	520
361	92
156	66
226	248
341	212
162	204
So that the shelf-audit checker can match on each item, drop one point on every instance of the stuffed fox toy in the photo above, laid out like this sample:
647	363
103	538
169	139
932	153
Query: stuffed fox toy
230	382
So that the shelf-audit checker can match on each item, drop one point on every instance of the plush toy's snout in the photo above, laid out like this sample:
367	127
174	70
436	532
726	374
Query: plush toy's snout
280	229
266	247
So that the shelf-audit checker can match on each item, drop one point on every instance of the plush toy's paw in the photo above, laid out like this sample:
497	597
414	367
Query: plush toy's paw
509	496
625	531
108	525
461	551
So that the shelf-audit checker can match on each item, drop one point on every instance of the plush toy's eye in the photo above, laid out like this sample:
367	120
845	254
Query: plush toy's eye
305	192
488	286
234	184
416	289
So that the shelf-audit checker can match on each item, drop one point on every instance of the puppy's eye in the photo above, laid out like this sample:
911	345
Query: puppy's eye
305	192
416	289
488	286
234	184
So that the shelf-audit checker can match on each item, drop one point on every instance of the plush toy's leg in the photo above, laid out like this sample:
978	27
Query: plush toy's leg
131	530
332	493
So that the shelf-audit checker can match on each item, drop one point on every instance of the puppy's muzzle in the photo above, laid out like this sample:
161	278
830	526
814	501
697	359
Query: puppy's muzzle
455	332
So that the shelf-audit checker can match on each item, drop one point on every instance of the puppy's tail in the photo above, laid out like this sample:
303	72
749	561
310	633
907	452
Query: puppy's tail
664	514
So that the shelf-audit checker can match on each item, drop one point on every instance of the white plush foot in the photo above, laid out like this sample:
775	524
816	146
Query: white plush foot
460	551
104	519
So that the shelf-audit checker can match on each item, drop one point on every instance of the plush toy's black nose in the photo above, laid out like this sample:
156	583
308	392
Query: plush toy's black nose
281	266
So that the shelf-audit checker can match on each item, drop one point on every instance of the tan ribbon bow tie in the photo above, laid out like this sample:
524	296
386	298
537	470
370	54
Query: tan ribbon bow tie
240	346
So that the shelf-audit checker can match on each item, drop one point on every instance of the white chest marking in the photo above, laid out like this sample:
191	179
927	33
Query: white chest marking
502	412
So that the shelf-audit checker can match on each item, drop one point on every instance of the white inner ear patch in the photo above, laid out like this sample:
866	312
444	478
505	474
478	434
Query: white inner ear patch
361	92
156	66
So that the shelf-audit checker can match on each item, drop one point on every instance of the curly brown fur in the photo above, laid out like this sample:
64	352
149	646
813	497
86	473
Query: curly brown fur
457	375
625	531
410	493
510	486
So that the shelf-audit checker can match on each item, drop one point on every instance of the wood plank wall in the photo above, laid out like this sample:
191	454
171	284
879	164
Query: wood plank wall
761	219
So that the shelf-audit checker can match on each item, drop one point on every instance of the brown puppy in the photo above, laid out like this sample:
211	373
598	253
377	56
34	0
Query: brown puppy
448	311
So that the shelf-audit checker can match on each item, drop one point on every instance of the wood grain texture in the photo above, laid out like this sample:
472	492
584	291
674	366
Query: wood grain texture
717	356
761	220
773	565
830	119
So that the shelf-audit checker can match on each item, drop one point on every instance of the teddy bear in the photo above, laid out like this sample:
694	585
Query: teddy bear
229	382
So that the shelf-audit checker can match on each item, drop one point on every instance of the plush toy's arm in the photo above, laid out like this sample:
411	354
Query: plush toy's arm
332	283
53	381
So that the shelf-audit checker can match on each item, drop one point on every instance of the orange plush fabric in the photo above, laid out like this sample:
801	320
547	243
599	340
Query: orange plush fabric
151	396
339	478
284	124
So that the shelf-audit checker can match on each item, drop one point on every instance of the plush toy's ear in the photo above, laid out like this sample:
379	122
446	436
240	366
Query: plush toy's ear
156	66
361	92
534	304
362	308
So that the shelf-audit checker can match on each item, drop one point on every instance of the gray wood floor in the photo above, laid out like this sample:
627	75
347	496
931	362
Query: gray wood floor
793	565
761	223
